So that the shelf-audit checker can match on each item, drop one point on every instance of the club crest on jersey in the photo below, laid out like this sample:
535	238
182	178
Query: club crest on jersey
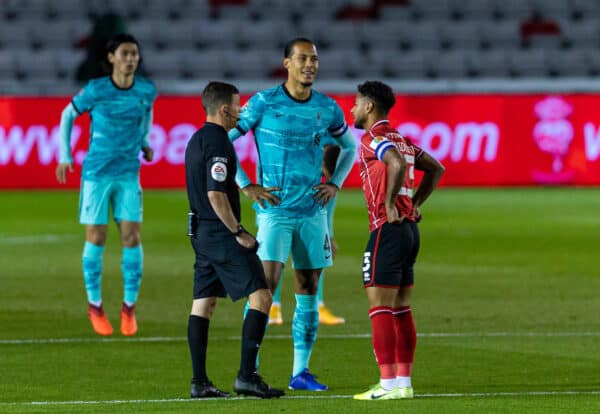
218	172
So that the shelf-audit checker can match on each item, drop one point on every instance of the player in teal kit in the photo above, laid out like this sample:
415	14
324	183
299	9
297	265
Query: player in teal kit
289	121
120	108
331	153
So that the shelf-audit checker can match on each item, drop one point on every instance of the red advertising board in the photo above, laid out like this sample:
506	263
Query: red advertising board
482	140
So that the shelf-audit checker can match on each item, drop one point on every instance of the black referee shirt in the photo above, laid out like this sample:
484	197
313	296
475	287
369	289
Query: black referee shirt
210	165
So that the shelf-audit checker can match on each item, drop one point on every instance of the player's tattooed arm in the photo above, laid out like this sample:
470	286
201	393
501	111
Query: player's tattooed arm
261	194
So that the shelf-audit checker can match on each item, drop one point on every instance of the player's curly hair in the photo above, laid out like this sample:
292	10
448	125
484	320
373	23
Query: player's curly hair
380	93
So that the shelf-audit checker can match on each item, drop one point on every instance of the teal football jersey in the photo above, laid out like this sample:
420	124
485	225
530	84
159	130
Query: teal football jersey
288	135
118	124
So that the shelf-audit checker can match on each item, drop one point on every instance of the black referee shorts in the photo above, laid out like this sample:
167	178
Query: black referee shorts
390	255
223	267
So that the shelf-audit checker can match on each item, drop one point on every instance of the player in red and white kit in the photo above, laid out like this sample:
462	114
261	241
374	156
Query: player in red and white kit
387	162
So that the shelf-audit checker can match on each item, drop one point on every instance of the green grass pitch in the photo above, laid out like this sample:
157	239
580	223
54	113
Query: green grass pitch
506	304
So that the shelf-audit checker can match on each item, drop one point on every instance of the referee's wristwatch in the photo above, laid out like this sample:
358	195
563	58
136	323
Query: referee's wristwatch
239	230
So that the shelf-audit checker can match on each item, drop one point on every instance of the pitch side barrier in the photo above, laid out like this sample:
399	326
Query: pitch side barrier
483	139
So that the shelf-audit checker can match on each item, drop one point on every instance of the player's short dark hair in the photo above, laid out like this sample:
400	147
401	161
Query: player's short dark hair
216	94
289	47
380	93
114	43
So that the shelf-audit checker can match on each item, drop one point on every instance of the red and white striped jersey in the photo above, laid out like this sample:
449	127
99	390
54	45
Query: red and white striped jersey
373	171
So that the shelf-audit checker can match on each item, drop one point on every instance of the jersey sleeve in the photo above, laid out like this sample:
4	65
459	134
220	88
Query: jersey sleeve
338	124
84	100
379	145
418	150
218	164
251	113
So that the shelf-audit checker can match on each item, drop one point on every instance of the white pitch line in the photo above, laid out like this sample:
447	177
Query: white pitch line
37	239
35	341
304	397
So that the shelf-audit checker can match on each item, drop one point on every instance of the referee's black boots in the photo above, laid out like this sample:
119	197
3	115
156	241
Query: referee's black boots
206	389
254	385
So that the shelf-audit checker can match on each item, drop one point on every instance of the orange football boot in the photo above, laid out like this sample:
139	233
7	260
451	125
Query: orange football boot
128	322
99	321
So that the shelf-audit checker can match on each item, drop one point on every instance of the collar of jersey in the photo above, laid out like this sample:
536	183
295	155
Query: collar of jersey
294	99
117	86
382	121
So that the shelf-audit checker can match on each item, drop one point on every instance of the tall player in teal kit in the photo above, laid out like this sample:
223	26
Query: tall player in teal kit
289	122
120	108
331	151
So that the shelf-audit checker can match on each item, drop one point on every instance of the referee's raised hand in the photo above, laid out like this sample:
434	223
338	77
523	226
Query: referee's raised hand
261	194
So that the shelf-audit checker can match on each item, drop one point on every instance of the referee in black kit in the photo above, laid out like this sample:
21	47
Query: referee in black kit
226	260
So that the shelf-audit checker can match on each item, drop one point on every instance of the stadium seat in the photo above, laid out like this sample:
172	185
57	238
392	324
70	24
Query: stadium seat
339	63
335	34
37	64
11	86
432	9
528	63
423	35
450	64
543	41
396	13
249	64
49	87
261	34
383	33
207	64
68	9
463	35
570	63
216	33
410	64
503	34
580	34
164	62
488	64
593	60
30	9
589	9
67	61
143	30
8	65
514	9
553	9
60	34
178	34
17	34
473	9
272	10
240	13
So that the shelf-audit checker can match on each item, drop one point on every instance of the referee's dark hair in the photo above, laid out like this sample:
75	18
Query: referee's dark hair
287	52
381	94
216	94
